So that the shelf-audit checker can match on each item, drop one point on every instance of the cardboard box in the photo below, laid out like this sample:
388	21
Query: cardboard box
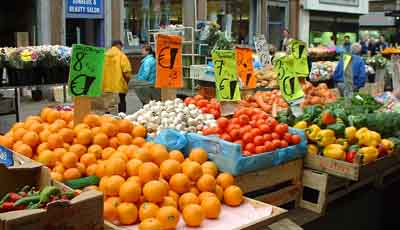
83	212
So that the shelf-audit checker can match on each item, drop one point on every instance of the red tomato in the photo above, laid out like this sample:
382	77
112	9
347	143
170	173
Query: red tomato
205	110
219	130
239	142
260	149
248	112
232	126
264	116
256	117
226	137
281	129
247	137
276	144
223	122
260	122
198	97
256	132
246	153
238	113
214	112
284	144
235	134
186	101
202	103
253	124
207	131
235	120
250	147
244	119
287	137
258	140
275	136
296	139
272	122
267	137
265	128
244	130
269	146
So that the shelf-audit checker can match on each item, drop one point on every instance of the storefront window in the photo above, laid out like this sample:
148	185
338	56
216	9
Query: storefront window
277	20
144	15
232	16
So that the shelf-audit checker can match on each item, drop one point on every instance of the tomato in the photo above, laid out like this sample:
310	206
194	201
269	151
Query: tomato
269	146
187	100
260	149
247	137
281	129
264	116
202	103
284	144
198	97
215	113
246	153
256	117
296	139
232	126
256	132
275	136
276	144
267	137
226	137
253	124
235	120
205	110
235	134
248	112
287	137
260	122
207	131
272	122
244	119
250	147
238	113
258	140
239	142
223	122
264	128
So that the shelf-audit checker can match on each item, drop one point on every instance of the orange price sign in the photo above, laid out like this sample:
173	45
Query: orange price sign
169	61
244	63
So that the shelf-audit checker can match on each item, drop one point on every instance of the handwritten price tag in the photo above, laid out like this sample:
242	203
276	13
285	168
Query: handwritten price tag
289	84
244	63
226	80
262	49
169	61
299	54
86	71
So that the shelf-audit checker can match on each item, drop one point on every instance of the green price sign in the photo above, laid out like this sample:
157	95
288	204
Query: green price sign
226	80
289	84
299	54
86	71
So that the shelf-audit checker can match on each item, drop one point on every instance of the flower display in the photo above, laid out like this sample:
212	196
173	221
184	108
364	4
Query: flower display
377	61
322	70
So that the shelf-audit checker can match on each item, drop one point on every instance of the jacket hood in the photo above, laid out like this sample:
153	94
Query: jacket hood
113	51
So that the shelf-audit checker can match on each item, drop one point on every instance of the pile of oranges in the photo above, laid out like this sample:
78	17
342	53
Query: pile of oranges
142	182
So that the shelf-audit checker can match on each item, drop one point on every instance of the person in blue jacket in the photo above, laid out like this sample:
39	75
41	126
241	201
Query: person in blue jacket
358	69
146	77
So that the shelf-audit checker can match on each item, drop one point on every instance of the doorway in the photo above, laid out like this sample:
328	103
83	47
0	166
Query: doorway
84	31
277	20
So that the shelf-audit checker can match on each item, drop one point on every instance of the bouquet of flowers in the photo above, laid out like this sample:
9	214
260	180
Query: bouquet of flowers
322	71
377	61
23	58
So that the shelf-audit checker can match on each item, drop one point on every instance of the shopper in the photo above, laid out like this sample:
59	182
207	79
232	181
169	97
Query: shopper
381	44
332	43
146	77
285	41
364	45
347	44
358	71
117	73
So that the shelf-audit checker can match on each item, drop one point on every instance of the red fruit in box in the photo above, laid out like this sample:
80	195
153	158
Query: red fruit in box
267	137
226	137
269	146
284	144
258	140
235	134
296	139
247	138
223	122
260	149
250	147
382	150
244	119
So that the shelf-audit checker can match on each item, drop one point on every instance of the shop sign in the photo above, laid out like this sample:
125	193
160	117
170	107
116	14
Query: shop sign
244	62
86	71
89	8
289	83
169	61
226	80
299	54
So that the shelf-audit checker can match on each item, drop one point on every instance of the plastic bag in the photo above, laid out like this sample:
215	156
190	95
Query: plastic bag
172	139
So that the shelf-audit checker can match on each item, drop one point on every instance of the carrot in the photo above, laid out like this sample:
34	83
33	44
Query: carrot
264	106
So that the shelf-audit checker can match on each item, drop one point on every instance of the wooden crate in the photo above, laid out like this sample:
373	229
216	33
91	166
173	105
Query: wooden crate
329	188
355	171
277	186
389	177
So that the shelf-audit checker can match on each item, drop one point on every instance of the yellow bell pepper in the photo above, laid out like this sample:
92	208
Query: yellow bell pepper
312	132
369	154
368	138
350	134
326	137
361	132
334	151
312	149
300	125
343	142
375	138
388	144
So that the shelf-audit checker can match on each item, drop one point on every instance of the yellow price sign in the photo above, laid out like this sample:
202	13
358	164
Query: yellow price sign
299	53
289	84
226	80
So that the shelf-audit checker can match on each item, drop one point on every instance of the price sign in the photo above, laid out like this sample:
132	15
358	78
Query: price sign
226	81
262	50
169	61
299	54
86	71
244	63
289	84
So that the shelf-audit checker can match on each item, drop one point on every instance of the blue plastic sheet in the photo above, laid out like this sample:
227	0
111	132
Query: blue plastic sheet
172	139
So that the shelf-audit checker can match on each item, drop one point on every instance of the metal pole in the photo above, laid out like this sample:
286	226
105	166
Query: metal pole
78	35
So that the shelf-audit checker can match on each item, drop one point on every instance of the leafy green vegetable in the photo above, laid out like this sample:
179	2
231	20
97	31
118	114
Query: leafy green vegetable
387	124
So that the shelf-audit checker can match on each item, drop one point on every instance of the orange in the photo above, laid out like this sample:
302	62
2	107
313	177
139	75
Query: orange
18	125
6	141
210	168
132	167
179	183
59	168
44	112
205	195
114	166
55	141
192	170
19	133
69	160
88	159
131	151
96	130
154	191
169	201
109	129
176	155
143	154
67	115
113	184
139	131
199	155
194	190
80	127
54	128
107	152
72	173
36	127
125	126
91	170
100	169
219	192
113	142
44	135
78	149
101	139
52	116
84	137
135	179
122	148
173	195
127	213
150	224
206	183
124	139
56	176
169	217
81	167
211	207
92	120
96	150
138	141
148	171
225	180
110	212
67	134
59	152
159	153
28	123
114	200
233	195
103	184
48	158
193	215
23	149
120	155
148	210
186	199
130	191
169	168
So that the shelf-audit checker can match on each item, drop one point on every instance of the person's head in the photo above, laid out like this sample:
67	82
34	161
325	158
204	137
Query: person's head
146	50
356	48
285	33
346	39
365	37
118	44
272	50
382	38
